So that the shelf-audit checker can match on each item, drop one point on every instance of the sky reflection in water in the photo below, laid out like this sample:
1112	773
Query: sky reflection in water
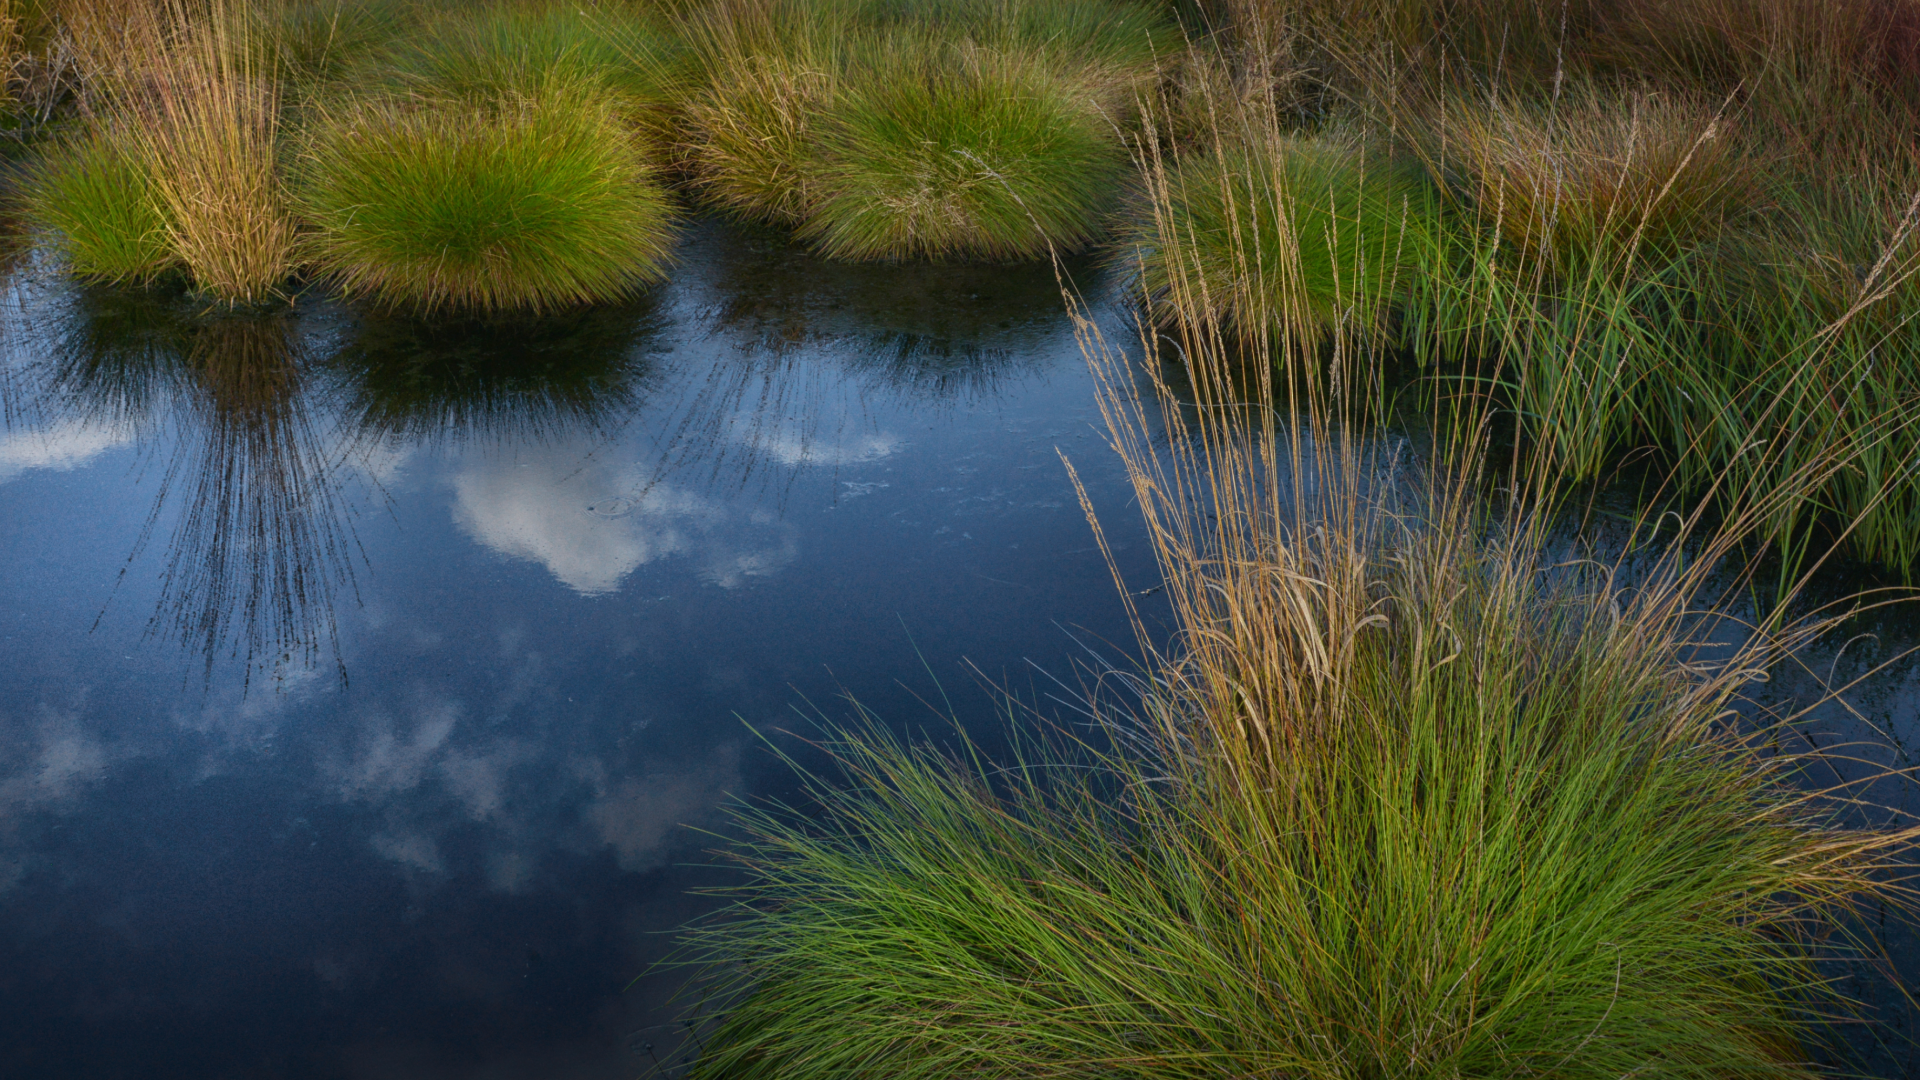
368	680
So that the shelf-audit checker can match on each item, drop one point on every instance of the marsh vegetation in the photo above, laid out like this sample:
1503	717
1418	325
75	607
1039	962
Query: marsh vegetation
1421	784
1635	224
1411	791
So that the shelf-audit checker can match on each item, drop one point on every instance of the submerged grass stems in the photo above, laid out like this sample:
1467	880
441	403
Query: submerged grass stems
1405	795
531	203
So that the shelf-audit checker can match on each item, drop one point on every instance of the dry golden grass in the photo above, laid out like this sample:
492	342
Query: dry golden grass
207	119
1596	170
1807	61
105	41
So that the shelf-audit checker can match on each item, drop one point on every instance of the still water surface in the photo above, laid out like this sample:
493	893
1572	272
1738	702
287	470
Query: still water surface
367	682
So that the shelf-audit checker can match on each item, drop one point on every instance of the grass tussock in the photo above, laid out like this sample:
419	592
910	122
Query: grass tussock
208	122
1405	795
1304	229
533	203
978	157
178	166
976	129
1514	840
1596	175
757	126
96	194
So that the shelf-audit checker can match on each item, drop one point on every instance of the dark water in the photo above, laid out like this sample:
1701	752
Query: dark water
367	682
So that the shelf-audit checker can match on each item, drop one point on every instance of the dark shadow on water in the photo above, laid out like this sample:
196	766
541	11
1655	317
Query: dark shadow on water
927	331
809	348
406	379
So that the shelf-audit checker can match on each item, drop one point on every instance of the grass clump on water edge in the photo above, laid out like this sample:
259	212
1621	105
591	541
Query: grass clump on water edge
533	203
1525	848
1404	799
178	167
973	157
975	130
756	150
95	192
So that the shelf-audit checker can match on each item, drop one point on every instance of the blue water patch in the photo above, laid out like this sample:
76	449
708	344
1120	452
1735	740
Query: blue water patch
375	688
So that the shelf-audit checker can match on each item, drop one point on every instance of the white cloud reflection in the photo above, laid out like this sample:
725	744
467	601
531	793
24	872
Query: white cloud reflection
451	788
591	523
791	448
65	444
640	816
60	757
46	763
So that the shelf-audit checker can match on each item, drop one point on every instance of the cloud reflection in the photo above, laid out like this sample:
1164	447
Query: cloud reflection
63	444
47	763
53	757
639	816
591	523
456	795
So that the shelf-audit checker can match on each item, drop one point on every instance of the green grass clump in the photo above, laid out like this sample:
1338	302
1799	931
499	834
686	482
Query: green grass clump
1513	840
1294	237
509	49
978	158
177	168
1644	278
755	147
96	194
974	129
1803	329
531	204
311	43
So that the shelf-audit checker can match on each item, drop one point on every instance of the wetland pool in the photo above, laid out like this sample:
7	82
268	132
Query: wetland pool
372	688
368	683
